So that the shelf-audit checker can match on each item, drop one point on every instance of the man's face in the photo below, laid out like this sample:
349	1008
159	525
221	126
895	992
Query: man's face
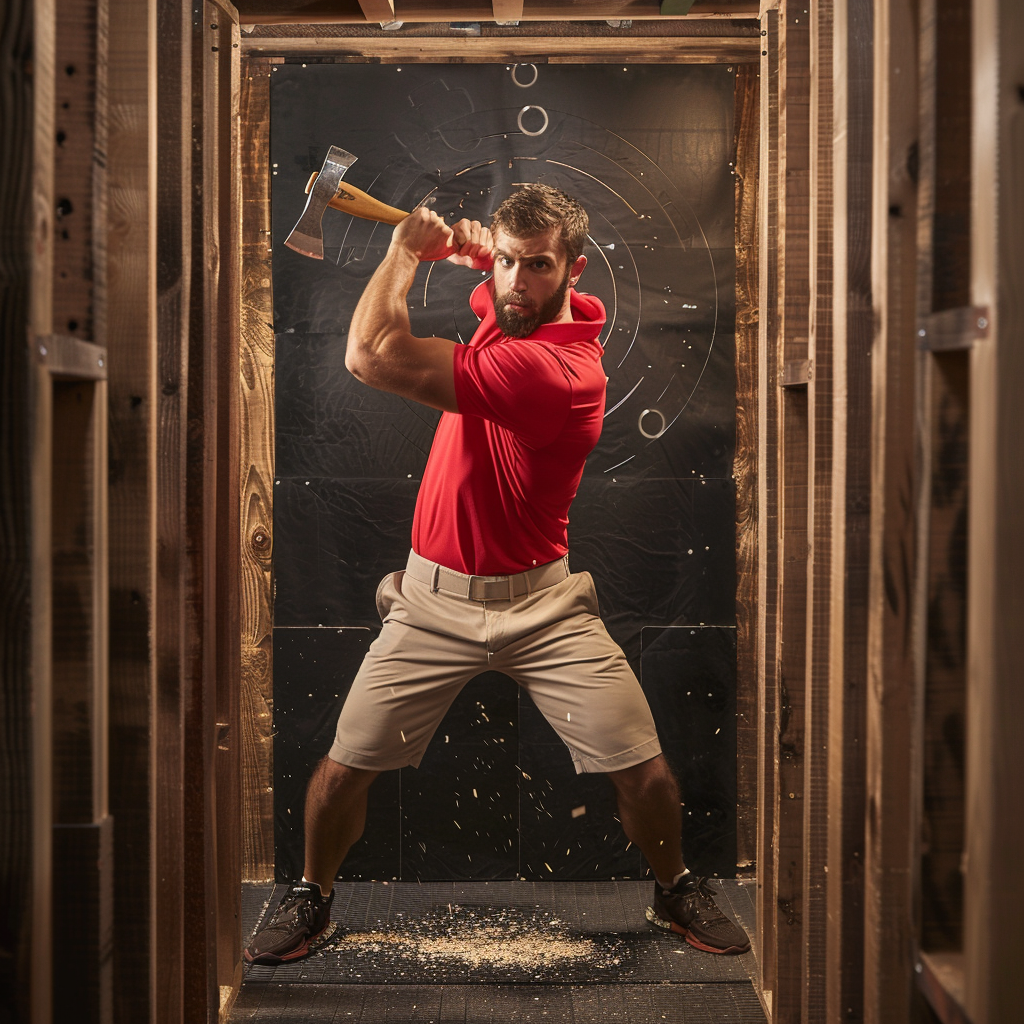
531	281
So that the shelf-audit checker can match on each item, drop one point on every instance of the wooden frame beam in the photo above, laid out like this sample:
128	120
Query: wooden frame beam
554	49
327	12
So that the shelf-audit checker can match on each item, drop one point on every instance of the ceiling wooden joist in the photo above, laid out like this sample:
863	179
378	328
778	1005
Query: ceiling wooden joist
376	12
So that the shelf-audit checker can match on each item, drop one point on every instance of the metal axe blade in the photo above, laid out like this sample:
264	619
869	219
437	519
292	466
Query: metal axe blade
307	236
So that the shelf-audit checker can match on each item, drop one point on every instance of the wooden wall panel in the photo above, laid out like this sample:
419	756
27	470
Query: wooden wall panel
256	442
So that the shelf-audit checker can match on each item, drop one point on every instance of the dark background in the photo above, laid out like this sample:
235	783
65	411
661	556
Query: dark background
649	152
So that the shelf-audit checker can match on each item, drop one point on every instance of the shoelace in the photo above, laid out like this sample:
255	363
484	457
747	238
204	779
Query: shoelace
701	886
295	897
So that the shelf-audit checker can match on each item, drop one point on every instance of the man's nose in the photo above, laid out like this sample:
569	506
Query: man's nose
517	282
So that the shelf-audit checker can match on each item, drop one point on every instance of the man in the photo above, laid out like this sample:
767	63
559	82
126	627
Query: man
487	584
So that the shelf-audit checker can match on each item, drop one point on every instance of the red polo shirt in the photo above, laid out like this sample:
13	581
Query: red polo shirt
503	471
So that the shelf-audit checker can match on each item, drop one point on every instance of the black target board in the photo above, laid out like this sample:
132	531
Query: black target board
649	151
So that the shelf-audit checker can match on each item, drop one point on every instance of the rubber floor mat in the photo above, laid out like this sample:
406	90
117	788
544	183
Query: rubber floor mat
554	934
498	1004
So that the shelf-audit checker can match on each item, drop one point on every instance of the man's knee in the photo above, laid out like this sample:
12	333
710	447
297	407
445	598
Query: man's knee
332	779
653	774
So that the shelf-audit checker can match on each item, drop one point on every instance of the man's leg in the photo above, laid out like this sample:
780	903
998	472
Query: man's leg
335	817
651	817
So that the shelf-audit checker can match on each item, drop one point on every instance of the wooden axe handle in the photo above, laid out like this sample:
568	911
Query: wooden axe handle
356	202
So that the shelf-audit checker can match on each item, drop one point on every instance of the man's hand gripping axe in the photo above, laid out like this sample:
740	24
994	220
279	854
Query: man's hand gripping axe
326	189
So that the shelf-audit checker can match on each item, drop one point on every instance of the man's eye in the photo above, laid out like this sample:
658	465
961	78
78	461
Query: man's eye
505	261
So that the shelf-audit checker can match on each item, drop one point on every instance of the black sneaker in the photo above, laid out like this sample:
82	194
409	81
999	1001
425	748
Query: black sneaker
689	910
300	925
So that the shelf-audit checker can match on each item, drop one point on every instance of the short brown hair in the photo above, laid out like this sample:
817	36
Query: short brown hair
534	208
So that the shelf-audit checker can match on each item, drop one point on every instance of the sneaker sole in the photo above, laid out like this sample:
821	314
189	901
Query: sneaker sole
310	946
678	929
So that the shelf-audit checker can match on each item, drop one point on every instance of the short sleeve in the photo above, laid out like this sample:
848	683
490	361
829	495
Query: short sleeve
519	385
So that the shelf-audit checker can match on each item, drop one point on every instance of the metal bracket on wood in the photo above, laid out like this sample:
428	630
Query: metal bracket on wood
795	373
953	330
71	358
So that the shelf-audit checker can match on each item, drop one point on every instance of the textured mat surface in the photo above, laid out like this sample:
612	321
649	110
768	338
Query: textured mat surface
490	1004
501	933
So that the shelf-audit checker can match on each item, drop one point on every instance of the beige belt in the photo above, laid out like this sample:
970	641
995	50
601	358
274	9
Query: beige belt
486	588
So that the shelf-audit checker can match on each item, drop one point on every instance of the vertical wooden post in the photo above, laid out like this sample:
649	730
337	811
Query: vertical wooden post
995	697
888	965
767	499
745	468
793	498
131	344
256	443
816	954
227	677
173	284
852	333
38	413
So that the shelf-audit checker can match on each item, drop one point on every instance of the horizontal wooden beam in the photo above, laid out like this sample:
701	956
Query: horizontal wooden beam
953	329
331	12
674	49
71	358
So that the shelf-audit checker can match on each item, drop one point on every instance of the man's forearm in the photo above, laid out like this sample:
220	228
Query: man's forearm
381	316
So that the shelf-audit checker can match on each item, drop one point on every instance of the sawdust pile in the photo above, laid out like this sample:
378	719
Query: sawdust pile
500	939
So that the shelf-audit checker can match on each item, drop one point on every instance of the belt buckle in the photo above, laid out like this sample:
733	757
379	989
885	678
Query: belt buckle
501	589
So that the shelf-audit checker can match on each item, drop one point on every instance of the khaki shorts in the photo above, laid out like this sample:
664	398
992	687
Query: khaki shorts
542	628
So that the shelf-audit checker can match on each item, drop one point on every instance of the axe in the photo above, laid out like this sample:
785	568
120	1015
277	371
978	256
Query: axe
325	189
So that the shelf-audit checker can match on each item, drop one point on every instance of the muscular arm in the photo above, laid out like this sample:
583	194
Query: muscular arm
382	350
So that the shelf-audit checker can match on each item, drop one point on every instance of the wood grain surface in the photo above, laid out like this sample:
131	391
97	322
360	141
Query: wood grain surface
745	468
256	468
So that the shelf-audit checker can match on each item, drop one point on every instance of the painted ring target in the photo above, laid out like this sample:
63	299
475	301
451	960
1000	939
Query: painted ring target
515	75
527	131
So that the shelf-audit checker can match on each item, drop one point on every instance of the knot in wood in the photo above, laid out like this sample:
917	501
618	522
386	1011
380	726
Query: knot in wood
260	540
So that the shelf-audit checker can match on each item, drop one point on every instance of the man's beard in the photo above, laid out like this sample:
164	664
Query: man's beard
518	325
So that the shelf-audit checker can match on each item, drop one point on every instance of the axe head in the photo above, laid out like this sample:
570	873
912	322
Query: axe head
307	236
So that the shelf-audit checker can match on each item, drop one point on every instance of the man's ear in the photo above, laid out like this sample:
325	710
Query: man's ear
577	269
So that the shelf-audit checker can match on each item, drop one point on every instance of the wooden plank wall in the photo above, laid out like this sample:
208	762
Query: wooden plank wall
256	469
